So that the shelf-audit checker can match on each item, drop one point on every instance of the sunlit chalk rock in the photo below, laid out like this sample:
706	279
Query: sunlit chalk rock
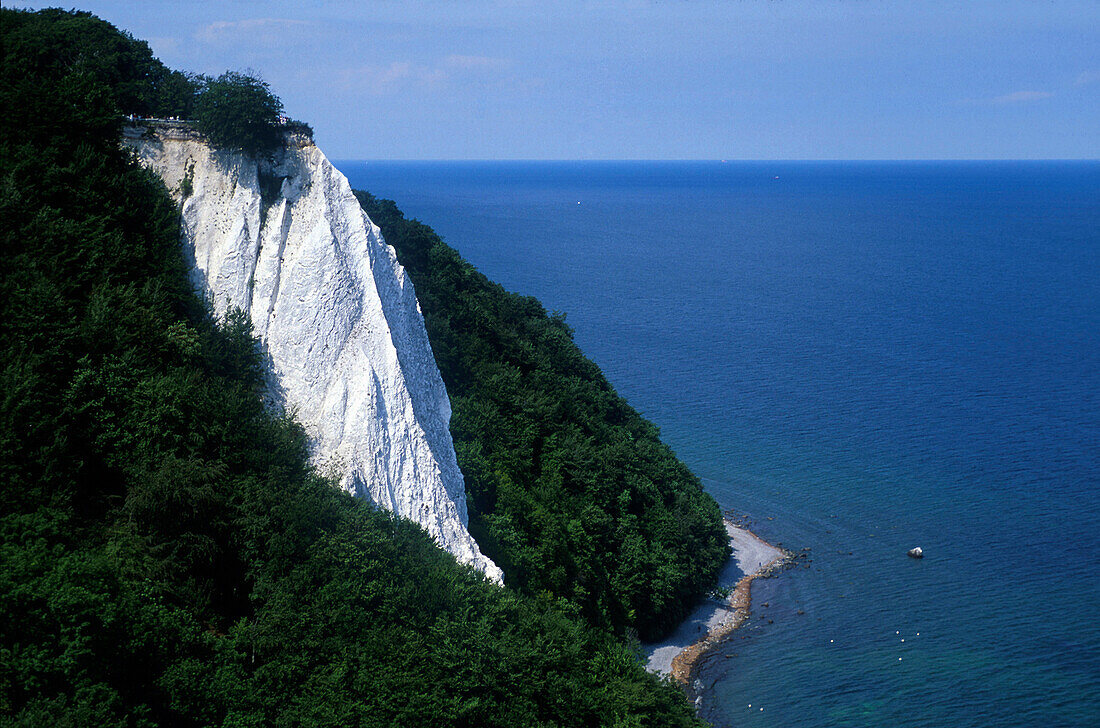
285	240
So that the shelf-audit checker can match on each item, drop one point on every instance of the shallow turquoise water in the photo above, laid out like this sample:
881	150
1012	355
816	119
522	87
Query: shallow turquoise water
863	357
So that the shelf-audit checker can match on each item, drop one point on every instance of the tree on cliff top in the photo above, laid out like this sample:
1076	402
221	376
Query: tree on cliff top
238	111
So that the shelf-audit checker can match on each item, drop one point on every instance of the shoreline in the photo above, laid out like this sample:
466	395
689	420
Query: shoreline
751	557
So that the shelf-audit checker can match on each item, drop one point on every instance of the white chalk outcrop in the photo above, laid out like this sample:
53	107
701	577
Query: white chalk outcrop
286	241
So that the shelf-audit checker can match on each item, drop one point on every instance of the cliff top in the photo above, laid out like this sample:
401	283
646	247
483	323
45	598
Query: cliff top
296	134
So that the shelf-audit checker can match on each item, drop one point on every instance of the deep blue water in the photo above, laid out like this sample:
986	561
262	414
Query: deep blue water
863	357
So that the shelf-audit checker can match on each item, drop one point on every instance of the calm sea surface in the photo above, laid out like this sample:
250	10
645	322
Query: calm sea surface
863	358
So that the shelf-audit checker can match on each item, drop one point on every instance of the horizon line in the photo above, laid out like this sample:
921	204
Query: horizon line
718	159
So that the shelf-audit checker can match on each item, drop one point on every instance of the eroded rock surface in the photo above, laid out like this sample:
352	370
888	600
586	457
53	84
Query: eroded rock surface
286	241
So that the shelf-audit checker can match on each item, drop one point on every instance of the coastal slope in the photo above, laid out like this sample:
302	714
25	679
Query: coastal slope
561	471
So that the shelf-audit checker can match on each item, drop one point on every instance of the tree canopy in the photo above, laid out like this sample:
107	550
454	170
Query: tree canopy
104	72
238	111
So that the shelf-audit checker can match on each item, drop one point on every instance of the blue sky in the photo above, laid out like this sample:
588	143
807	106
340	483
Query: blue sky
643	79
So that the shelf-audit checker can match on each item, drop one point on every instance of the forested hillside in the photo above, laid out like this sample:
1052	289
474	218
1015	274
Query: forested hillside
572	493
167	556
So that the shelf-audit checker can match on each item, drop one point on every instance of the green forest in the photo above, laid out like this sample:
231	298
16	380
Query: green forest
168	555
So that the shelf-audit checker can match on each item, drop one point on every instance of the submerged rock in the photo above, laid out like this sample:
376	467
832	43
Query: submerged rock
285	240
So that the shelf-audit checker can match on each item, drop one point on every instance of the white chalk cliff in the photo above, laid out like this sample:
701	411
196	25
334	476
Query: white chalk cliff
286	241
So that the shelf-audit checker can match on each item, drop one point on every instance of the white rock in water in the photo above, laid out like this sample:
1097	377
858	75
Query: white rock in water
916	553
338	319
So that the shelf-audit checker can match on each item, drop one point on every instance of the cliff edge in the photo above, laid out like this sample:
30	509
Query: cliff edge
285	240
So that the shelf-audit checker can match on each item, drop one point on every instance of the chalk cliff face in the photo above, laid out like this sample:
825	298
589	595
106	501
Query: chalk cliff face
286	241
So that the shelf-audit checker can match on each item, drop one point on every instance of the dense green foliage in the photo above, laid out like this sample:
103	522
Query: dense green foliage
99	69
238	111
167	557
571	491
233	110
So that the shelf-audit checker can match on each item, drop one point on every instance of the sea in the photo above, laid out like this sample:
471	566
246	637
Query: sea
858	358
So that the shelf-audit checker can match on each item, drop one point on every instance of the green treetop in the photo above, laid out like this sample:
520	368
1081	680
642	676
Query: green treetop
238	111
